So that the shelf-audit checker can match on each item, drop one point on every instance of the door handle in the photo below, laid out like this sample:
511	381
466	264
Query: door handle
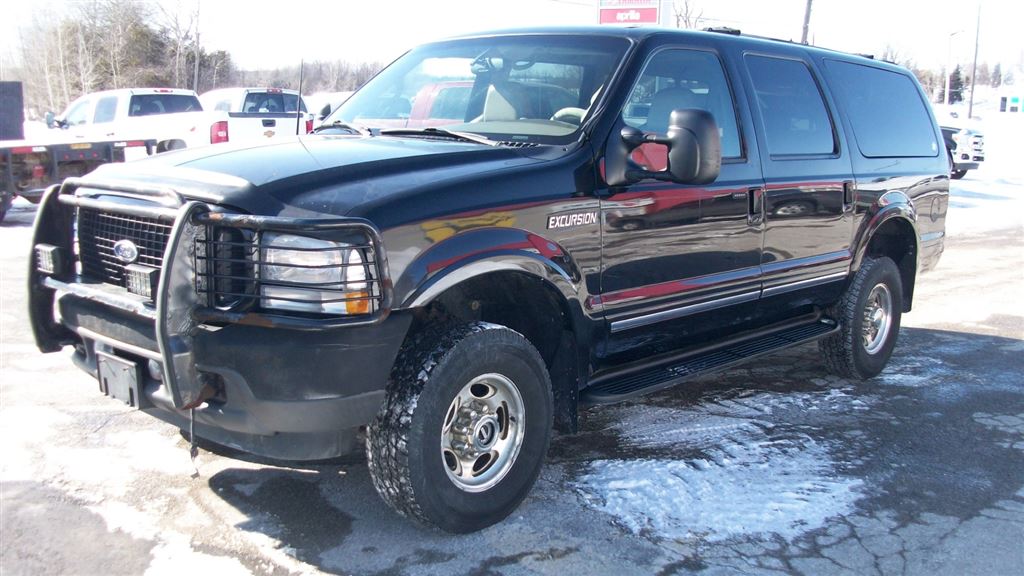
755	206
848	196
269	123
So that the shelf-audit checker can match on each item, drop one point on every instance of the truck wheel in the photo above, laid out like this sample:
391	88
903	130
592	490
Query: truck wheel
5	204
953	172
869	321
464	427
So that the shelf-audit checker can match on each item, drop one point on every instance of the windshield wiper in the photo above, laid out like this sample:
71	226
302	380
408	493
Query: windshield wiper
441	133
344	126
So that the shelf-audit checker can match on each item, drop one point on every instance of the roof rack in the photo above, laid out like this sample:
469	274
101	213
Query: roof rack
723	30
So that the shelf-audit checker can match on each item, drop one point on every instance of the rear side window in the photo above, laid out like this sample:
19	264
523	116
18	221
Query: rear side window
796	121
151	104
105	109
885	109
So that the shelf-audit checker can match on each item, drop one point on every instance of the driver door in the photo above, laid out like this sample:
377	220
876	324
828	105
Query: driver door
678	259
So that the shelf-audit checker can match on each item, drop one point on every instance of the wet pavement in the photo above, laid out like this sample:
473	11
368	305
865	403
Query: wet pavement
773	467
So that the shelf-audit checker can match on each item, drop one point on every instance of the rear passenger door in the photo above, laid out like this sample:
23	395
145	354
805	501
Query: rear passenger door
809	183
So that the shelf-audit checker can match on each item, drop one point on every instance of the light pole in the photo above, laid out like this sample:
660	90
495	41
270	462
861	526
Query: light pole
949	66
974	67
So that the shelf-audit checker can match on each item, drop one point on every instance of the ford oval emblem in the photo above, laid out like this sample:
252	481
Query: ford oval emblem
126	251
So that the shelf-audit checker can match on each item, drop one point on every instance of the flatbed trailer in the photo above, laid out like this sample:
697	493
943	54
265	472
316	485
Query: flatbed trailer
27	169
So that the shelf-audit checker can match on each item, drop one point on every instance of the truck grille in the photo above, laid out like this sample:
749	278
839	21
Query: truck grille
99	231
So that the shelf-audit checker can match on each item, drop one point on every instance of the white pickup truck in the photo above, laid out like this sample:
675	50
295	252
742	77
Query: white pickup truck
172	117
245	114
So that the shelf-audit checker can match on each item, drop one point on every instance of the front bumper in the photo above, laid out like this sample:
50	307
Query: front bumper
283	389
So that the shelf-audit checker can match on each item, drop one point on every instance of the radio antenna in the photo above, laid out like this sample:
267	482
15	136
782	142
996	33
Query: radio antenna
298	101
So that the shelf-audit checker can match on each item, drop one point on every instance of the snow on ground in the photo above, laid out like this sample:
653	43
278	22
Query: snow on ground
727	472
992	197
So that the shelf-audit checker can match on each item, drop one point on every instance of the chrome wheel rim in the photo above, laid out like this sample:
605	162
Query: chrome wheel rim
877	318
482	432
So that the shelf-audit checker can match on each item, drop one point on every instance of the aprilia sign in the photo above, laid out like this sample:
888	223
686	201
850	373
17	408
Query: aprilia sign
625	12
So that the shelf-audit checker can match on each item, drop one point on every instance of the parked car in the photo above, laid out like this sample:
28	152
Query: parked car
965	149
172	117
443	295
245	114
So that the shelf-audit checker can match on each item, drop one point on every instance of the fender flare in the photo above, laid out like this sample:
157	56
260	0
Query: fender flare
894	205
482	251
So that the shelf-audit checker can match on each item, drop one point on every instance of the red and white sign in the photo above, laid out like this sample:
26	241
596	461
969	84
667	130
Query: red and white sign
629	15
627	12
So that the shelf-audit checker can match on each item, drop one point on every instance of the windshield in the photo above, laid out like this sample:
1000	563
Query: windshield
507	88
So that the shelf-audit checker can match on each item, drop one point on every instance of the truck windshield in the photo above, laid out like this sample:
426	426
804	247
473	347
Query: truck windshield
531	88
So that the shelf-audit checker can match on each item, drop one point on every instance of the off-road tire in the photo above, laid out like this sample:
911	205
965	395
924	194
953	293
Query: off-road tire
844	352
403	444
6	200
953	172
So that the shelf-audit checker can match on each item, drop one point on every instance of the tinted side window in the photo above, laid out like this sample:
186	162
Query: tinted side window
105	109
886	111
151	104
683	79
795	118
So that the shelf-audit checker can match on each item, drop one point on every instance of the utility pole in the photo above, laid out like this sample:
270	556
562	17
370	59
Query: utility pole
807	22
195	73
974	67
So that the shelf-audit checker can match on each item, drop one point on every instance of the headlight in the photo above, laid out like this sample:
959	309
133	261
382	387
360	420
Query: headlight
311	275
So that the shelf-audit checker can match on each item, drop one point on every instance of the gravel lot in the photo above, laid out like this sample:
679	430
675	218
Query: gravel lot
770	468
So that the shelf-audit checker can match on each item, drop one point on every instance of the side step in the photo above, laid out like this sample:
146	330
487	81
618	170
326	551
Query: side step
637	383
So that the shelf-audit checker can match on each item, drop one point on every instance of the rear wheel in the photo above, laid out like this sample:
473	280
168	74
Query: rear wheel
464	428
953	172
5	204
869	314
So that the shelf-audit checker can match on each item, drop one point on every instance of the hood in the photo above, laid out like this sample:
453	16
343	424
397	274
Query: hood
314	175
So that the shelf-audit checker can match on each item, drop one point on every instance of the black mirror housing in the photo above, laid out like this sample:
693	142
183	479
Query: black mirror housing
694	151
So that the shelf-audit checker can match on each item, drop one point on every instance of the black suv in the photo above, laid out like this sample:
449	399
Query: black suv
446	275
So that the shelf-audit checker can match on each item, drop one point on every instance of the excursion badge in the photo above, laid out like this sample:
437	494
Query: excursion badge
572	219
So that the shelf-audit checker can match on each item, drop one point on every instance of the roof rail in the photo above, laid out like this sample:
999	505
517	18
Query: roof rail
723	30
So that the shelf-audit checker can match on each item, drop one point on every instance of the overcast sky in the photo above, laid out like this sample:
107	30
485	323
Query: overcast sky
271	34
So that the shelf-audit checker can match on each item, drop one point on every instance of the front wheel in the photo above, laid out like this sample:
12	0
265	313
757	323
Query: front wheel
869	315
462	434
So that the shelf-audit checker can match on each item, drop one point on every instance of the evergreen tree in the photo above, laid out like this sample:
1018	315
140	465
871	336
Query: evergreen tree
956	86
997	76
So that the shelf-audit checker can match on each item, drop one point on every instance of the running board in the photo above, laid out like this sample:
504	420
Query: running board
638	383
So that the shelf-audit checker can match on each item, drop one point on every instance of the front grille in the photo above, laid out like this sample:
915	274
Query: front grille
98	231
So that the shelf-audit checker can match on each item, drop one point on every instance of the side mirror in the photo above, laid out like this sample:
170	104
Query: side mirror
694	151
51	122
324	112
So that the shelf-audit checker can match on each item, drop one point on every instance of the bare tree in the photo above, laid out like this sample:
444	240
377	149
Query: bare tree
687	14
181	33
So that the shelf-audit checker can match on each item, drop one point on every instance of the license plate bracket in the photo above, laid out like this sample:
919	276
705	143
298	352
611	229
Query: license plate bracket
119	378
